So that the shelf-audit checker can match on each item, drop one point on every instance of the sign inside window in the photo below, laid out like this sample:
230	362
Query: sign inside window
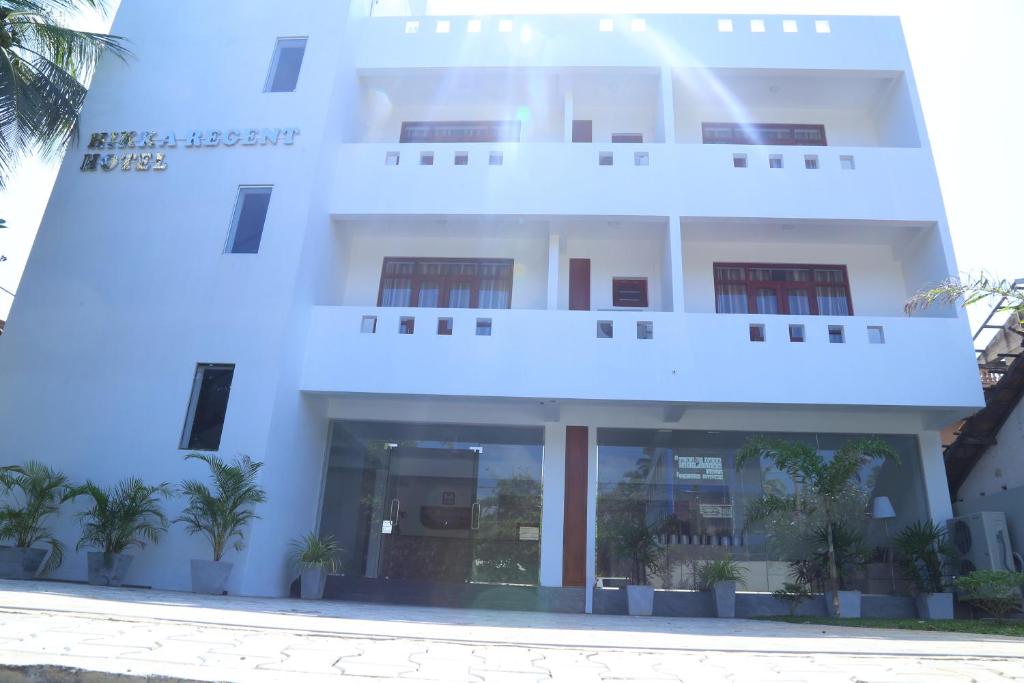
529	533
699	468
144	150
716	511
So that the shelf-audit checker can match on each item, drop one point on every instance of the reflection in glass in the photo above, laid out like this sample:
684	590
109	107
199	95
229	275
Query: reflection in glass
435	502
685	486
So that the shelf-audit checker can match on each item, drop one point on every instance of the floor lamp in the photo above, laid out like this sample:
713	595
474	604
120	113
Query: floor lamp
881	508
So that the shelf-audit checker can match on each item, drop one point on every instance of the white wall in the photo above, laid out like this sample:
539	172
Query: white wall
1002	466
896	122
611	257
876	278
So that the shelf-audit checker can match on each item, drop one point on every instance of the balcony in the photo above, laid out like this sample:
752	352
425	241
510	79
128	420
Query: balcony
649	356
407	38
635	179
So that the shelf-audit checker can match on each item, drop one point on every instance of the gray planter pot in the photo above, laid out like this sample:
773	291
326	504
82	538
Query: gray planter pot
849	604
209	577
934	605
640	600
724	593
108	569
20	563
312	582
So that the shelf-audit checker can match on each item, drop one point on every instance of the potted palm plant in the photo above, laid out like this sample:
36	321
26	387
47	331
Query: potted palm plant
220	513
922	548
721	578
826	500
32	492
118	518
636	542
314	557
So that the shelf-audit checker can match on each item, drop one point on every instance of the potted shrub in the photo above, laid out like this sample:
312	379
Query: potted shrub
315	558
995	592
922	548
220	513
826	499
721	577
838	550
119	518
637	543
33	492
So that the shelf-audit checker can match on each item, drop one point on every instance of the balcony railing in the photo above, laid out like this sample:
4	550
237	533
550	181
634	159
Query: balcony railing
601	355
637	179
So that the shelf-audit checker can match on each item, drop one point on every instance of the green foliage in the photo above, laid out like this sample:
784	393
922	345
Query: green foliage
311	551
995	592
973	289
637	542
222	513
716	571
793	593
44	67
33	492
847	550
827	503
126	515
921	549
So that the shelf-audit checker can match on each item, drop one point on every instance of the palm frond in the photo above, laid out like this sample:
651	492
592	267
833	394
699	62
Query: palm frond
32	493
126	515
966	291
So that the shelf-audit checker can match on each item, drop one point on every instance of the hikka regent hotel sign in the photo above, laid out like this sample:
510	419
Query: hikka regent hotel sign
135	150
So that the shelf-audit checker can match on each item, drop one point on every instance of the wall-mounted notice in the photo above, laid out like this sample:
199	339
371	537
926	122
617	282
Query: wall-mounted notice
699	468
716	511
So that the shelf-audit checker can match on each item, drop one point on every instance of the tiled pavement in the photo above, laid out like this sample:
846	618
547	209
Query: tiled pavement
49	630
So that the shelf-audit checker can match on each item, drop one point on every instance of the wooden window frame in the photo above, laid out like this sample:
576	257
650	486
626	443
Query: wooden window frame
740	138
782	287
445	282
616	298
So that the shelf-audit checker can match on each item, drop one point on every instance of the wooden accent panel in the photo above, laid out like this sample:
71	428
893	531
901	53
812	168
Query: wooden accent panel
574	529
579	284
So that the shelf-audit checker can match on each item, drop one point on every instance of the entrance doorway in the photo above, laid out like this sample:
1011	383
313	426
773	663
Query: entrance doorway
439	503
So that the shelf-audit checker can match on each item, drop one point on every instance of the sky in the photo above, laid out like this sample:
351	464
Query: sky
967	59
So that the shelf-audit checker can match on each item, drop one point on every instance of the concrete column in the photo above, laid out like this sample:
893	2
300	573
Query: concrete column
569	114
552	505
668	107
936	486
554	265
674	263
591	519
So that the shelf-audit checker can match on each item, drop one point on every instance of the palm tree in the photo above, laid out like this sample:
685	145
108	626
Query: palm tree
44	68
222	513
971	290
36	492
822	493
126	515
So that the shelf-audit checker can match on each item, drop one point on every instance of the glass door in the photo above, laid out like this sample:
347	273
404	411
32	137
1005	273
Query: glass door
451	503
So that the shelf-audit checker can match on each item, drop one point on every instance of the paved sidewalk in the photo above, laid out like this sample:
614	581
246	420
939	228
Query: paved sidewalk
50	629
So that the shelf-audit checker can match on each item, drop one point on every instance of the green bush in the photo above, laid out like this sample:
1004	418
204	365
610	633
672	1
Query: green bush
922	548
311	551
126	515
793	594
715	571
995	592
33	492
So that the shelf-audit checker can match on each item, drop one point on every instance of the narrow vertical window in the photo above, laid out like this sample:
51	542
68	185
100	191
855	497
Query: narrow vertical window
207	406
248	219
285	66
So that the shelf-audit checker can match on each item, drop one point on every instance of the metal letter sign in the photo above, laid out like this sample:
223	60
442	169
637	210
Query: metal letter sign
95	159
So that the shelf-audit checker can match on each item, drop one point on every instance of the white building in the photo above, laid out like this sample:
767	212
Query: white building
461	273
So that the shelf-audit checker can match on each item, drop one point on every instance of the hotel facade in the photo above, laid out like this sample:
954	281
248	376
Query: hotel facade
467	284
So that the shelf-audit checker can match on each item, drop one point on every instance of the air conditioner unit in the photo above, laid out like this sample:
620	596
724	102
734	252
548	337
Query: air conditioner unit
981	541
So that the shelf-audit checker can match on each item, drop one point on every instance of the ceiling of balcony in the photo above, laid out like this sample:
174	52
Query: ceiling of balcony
759	231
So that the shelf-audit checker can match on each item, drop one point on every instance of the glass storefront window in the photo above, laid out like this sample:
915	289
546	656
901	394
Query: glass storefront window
455	503
685	487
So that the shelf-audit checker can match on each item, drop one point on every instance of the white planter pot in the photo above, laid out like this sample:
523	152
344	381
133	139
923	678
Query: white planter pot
312	582
108	569
209	577
640	600
724	593
20	563
934	605
849	604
